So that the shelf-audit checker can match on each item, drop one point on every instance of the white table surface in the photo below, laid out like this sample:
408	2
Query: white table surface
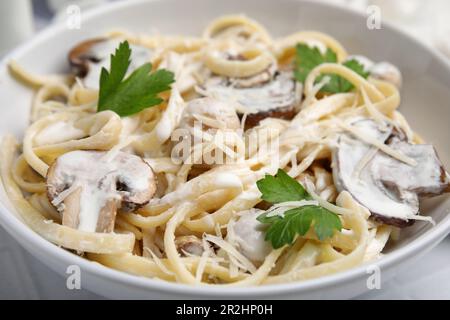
24	277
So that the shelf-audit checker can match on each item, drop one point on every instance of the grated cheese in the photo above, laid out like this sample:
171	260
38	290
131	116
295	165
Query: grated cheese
203	260
373	111
158	262
323	203
211	122
280	208
232	252
64	194
370	140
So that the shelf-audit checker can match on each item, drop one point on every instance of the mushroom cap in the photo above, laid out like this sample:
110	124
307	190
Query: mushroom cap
88	187
82	54
387	187
427	178
89	57
254	81
270	93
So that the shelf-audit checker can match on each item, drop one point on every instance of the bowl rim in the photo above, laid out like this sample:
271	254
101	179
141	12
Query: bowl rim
19	230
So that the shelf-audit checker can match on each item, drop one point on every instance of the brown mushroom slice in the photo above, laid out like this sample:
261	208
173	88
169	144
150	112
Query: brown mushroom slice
387	187
384	204
88	187
89	57
347	160
428	178
83	54
257	80
275	98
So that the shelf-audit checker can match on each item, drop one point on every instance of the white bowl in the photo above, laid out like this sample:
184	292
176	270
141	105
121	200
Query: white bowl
425	97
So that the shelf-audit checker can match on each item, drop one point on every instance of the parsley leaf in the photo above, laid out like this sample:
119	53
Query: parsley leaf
137	92
298	221
307	58
338	84
283	229
281	188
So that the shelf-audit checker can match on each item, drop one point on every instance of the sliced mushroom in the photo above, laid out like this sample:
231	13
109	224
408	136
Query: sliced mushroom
254	81
270	93
89	57
249	236
389	188
428	178
83	54
388	72
88	187
189	245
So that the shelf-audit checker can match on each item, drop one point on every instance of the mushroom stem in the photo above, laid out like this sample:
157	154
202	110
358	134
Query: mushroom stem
107	217
71	216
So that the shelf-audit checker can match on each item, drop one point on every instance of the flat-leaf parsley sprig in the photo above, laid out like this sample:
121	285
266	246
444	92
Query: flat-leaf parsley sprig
138	91
307	58
283	228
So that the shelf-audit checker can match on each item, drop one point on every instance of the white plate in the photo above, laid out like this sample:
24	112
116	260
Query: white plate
425	103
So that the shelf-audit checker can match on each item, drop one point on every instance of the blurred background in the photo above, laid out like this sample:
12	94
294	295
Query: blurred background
427	20
24	277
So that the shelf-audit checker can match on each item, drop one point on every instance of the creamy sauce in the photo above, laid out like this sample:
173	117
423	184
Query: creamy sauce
227	180
92	201
220	181
58	132
425	176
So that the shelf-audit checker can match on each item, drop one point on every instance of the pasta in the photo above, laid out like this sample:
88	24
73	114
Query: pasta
189	231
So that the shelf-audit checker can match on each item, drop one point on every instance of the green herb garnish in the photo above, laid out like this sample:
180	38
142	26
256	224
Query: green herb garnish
127	96
307	58
283	229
